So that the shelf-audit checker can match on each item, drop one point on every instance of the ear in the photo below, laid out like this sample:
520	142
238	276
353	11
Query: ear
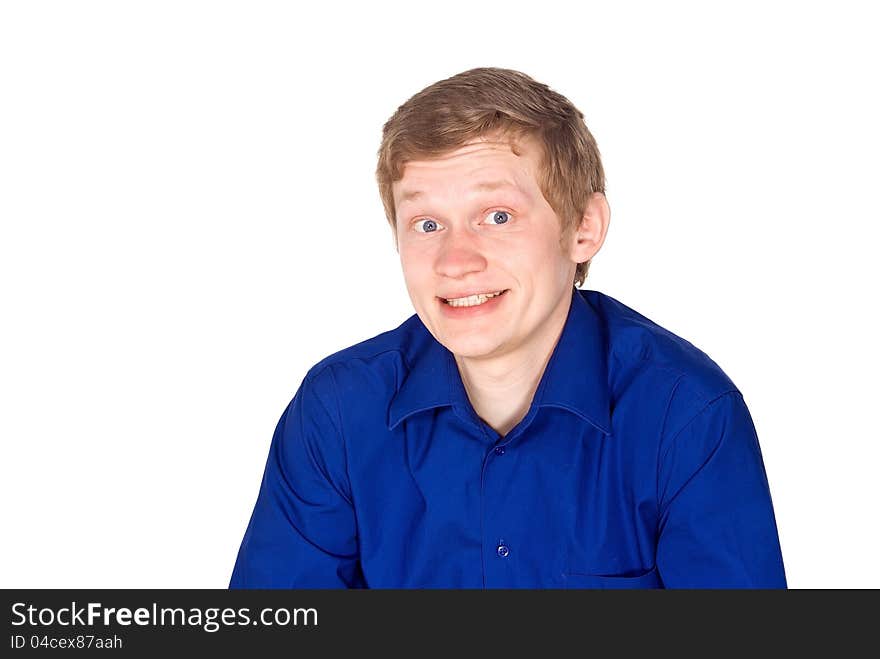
589	235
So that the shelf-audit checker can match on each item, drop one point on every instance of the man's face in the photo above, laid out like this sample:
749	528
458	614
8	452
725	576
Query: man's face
475	222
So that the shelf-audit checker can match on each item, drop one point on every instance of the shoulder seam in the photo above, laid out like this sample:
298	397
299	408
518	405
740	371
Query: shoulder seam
672	440
699	412
341	430
310	380
658	461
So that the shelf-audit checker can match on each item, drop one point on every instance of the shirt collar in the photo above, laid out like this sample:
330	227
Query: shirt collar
576	377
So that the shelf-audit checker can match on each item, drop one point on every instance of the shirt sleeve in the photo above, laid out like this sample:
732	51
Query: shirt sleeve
717	527
303	532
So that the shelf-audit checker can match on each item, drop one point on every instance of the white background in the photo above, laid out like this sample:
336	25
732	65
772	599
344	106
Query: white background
190	221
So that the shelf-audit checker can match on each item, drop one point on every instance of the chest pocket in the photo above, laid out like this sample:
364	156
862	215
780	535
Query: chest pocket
650	579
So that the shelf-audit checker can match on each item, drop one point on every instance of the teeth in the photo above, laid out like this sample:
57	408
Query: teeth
472	300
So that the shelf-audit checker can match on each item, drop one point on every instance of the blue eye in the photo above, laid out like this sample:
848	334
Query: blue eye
497	217
426	226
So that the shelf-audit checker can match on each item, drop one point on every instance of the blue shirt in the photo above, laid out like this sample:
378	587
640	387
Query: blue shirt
637	465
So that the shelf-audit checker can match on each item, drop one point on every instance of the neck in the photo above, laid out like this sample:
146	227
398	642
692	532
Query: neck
501	388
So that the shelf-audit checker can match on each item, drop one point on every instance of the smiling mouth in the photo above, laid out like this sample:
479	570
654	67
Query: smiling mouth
473	300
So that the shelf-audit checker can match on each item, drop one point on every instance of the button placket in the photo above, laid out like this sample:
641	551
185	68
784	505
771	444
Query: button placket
496	473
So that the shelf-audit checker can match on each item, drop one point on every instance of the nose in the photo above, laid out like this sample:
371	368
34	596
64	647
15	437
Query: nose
459	256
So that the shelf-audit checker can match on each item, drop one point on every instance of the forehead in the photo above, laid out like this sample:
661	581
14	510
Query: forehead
481	165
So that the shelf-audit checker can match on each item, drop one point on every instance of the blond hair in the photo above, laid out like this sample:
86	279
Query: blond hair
449	113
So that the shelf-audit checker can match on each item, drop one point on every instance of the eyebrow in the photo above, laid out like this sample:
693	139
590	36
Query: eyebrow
482	186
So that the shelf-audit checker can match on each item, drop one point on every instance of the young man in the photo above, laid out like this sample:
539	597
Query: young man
517	432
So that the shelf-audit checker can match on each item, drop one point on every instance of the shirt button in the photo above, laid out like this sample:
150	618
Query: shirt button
503	551
499	450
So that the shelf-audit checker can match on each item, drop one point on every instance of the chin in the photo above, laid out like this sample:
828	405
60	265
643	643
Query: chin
471	349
